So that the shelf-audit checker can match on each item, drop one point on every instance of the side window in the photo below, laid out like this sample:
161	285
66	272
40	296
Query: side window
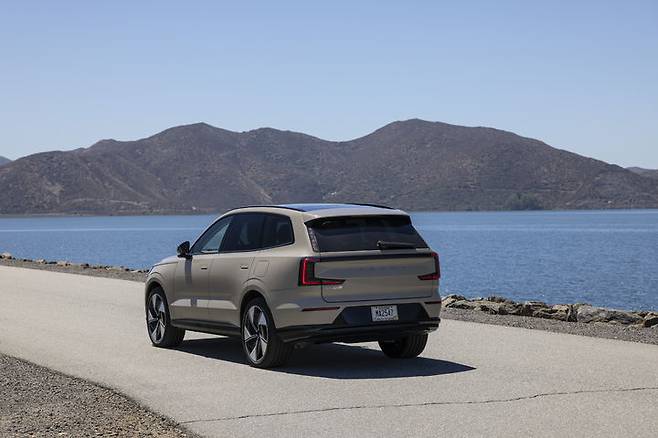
210	241
277	231
244	233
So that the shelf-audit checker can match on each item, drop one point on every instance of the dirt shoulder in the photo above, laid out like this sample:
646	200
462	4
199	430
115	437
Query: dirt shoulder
596	329
40	402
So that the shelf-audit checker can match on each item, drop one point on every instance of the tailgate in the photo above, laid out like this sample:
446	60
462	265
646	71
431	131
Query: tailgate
378	277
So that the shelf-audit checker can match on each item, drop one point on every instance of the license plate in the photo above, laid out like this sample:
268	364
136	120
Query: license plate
384	313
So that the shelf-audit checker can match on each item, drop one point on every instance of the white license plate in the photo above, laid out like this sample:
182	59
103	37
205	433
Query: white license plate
384	313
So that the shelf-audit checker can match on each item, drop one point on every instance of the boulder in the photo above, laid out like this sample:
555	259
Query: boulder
498	299
463	304
564	312
492	307
650	320
529	308
448	300
598	314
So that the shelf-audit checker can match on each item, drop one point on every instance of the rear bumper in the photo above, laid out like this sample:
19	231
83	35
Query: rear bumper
354	324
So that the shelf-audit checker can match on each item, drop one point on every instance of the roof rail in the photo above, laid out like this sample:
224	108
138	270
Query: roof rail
264	206
371	205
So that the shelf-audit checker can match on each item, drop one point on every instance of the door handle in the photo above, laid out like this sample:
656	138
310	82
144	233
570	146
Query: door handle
204	268
244	266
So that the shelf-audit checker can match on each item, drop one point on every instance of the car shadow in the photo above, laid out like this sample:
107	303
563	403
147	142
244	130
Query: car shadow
334	361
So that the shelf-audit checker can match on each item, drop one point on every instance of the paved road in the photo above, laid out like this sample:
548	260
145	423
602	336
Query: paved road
473	380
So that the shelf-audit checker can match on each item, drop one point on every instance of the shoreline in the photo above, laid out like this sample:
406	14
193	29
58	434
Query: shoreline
579	319
217	213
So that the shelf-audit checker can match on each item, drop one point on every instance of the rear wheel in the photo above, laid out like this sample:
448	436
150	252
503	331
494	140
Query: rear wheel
262	346
158	322
404	348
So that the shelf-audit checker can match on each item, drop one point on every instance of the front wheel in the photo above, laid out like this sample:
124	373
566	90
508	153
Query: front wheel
158	322
262	347
404	348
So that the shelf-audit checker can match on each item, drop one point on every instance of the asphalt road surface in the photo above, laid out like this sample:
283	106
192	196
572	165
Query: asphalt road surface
472	380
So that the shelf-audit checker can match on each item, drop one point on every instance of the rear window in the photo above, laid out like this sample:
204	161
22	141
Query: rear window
358	233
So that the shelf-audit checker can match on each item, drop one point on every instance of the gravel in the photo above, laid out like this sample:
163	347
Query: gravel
36	401
107	272
594	329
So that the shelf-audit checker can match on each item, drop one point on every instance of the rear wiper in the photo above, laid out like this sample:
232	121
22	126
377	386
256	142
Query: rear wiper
394	245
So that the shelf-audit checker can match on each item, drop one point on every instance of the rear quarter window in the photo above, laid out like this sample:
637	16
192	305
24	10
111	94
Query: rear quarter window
277	231
358	233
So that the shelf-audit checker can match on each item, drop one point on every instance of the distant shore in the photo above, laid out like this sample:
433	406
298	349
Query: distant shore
222	211
577	319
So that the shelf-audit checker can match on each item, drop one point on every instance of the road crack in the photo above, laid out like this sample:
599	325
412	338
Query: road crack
425	404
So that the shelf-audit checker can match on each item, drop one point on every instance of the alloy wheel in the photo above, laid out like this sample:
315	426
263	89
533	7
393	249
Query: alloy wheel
156	318
255	333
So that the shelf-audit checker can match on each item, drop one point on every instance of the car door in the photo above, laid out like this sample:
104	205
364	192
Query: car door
231	269
191	281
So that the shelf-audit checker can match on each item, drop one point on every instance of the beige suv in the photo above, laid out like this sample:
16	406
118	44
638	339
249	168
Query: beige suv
280	277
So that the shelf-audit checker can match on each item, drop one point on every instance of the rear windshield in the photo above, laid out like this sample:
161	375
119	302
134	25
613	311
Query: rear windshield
358	233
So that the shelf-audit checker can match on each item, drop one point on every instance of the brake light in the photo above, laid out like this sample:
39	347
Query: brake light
307	274
437	270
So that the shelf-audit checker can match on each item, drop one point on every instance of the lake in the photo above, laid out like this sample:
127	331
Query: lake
607	258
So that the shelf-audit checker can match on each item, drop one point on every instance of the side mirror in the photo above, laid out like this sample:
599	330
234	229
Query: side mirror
183	249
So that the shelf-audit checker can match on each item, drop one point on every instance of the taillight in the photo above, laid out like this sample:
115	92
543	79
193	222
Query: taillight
437	270
307	274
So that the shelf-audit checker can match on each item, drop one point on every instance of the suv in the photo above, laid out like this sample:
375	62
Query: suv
285	276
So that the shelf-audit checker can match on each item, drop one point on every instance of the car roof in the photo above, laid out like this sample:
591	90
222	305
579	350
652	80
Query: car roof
317	210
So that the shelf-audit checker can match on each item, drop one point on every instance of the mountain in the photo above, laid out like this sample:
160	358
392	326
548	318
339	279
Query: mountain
413	164
4	160
651	173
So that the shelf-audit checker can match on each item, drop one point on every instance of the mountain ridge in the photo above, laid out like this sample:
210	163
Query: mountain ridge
650	173
412	164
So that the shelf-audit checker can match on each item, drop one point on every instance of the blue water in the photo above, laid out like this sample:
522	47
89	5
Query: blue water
607	258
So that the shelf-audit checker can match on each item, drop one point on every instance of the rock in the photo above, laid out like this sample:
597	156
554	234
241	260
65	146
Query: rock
529	308
497	299
650	320
448	300
491	307
6	256
546	313
512	308
589	314
564	312
463	304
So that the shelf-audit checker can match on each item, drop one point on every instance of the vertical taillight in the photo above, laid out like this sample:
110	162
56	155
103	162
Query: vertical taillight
307	274
437	270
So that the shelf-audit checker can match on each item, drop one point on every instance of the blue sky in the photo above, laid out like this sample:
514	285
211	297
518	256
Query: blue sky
581	76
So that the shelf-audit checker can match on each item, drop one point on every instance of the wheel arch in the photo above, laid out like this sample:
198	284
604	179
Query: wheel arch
150	285
249	295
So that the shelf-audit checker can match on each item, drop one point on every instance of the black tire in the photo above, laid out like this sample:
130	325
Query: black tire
253	333
160	330
404	348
